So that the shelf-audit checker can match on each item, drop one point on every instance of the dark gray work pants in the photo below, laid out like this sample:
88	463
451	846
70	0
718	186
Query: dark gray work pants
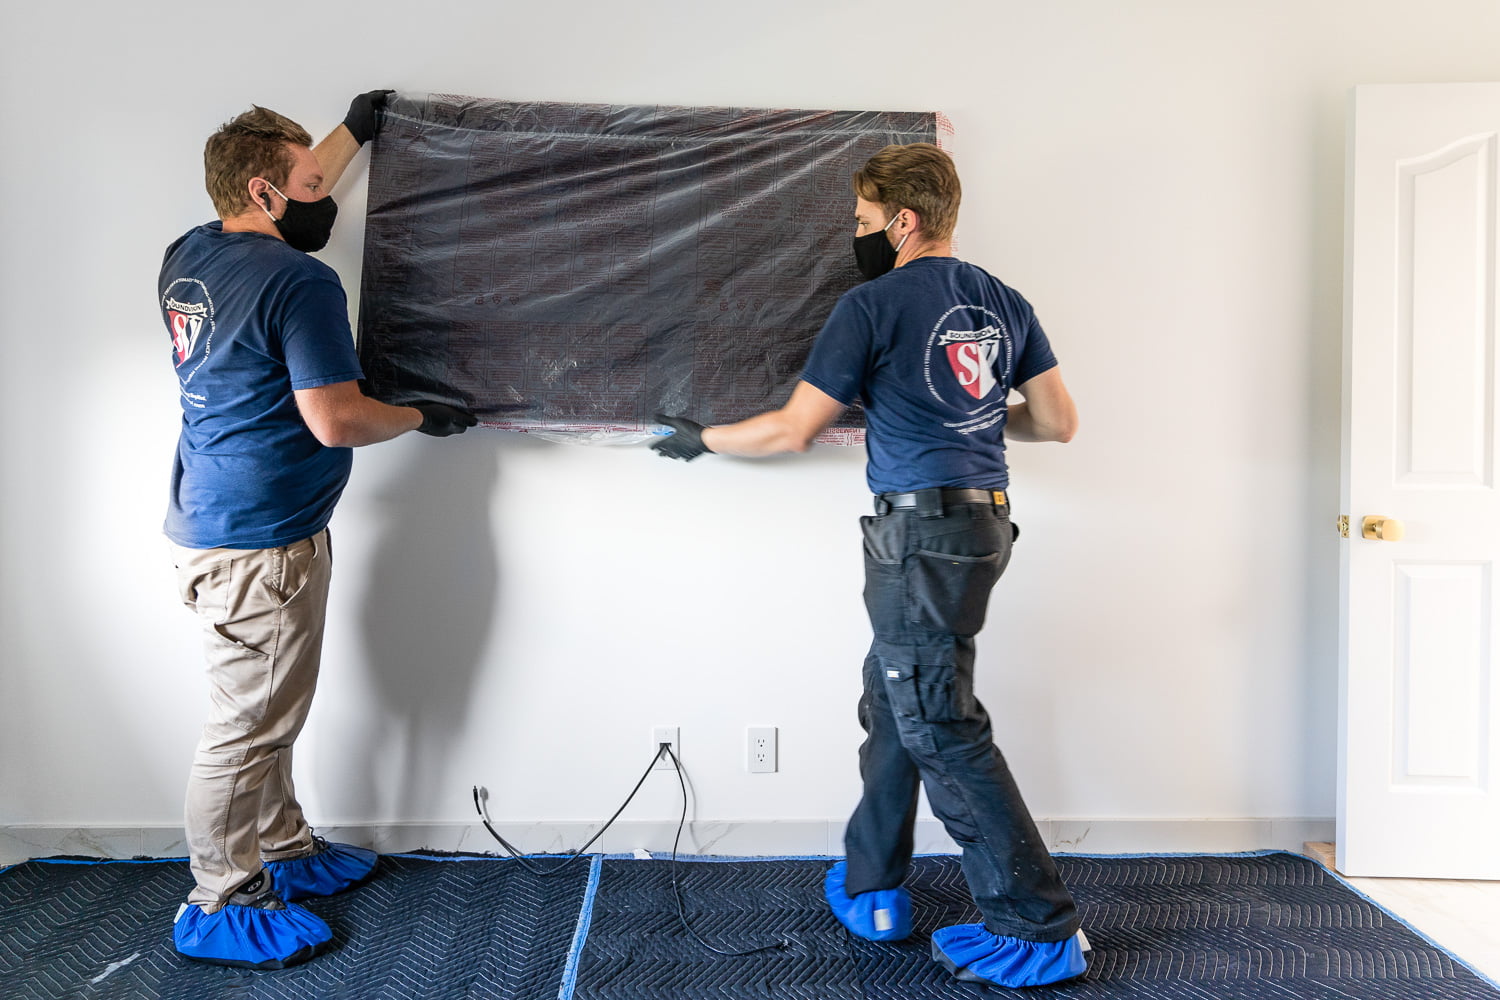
927	585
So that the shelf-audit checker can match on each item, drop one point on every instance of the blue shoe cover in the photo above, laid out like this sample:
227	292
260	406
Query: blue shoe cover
329	869
975	955
883	915
249	936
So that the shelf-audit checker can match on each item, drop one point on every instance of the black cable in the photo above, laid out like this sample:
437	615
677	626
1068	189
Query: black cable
573	856
677	891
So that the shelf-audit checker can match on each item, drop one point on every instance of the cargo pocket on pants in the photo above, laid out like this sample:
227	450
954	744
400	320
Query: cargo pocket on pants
922	682
950	593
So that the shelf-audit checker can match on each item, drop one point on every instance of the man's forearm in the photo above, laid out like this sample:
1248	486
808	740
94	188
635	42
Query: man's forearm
334	154
767	434
340	416
791	428
370	421
377	421
1021	425
1018	423
336	151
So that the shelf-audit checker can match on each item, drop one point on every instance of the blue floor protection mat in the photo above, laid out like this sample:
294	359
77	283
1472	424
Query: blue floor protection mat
479	929
1217	928
1175	927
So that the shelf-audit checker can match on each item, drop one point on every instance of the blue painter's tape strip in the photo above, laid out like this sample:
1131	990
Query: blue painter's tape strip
581	932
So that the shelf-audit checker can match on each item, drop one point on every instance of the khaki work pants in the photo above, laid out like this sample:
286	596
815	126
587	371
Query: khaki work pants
262	613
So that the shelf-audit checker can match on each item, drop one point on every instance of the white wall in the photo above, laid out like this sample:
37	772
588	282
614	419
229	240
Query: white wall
1164	181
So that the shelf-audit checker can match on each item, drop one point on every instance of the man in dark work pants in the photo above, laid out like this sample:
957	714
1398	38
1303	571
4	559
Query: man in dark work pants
934	347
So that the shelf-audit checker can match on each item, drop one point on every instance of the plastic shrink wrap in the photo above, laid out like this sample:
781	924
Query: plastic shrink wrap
571	269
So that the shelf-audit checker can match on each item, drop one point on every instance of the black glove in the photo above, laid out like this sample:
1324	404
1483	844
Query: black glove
360	120
686	441
440	419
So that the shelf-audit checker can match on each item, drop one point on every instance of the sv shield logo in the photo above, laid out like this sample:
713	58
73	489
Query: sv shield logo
185	330
188	311
971	356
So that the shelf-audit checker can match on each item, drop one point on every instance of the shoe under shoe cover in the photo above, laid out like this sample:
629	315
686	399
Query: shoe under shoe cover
975	955
254	929
882	915
330	868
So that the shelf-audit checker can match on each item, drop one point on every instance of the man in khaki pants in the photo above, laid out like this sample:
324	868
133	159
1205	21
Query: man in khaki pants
272	409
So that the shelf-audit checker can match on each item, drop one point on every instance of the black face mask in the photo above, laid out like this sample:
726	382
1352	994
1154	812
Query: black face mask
306	225
873	253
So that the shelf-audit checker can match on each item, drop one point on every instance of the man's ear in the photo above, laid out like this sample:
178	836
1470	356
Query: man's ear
260	192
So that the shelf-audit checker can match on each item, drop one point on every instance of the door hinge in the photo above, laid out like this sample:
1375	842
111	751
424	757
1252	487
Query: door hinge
1343	525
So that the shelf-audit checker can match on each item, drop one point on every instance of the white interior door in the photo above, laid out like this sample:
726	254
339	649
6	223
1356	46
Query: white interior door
1419	691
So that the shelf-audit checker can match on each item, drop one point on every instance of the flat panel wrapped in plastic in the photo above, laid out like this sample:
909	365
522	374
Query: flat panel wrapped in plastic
571	269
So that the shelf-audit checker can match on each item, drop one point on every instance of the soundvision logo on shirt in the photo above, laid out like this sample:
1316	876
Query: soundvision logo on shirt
969	354
186	320
188	311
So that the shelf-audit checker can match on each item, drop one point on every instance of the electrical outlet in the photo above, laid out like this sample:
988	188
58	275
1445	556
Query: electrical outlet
761	749
660	735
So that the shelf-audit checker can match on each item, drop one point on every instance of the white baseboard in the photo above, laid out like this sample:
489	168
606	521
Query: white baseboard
750	838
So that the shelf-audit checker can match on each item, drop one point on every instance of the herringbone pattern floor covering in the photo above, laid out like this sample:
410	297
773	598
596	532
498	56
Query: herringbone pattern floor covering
481	930
1169	928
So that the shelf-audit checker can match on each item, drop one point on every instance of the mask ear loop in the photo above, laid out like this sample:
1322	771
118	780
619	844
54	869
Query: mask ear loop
888	225
265	205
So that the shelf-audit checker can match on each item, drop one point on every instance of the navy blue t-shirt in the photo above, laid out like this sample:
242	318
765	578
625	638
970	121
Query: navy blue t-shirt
250	320
933	349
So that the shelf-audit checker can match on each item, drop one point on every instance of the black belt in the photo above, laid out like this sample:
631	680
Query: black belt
929	503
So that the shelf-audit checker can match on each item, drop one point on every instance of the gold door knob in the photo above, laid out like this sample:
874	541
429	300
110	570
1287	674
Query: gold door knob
1383	529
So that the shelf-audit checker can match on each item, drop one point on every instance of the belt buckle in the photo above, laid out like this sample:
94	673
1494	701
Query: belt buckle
998	496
